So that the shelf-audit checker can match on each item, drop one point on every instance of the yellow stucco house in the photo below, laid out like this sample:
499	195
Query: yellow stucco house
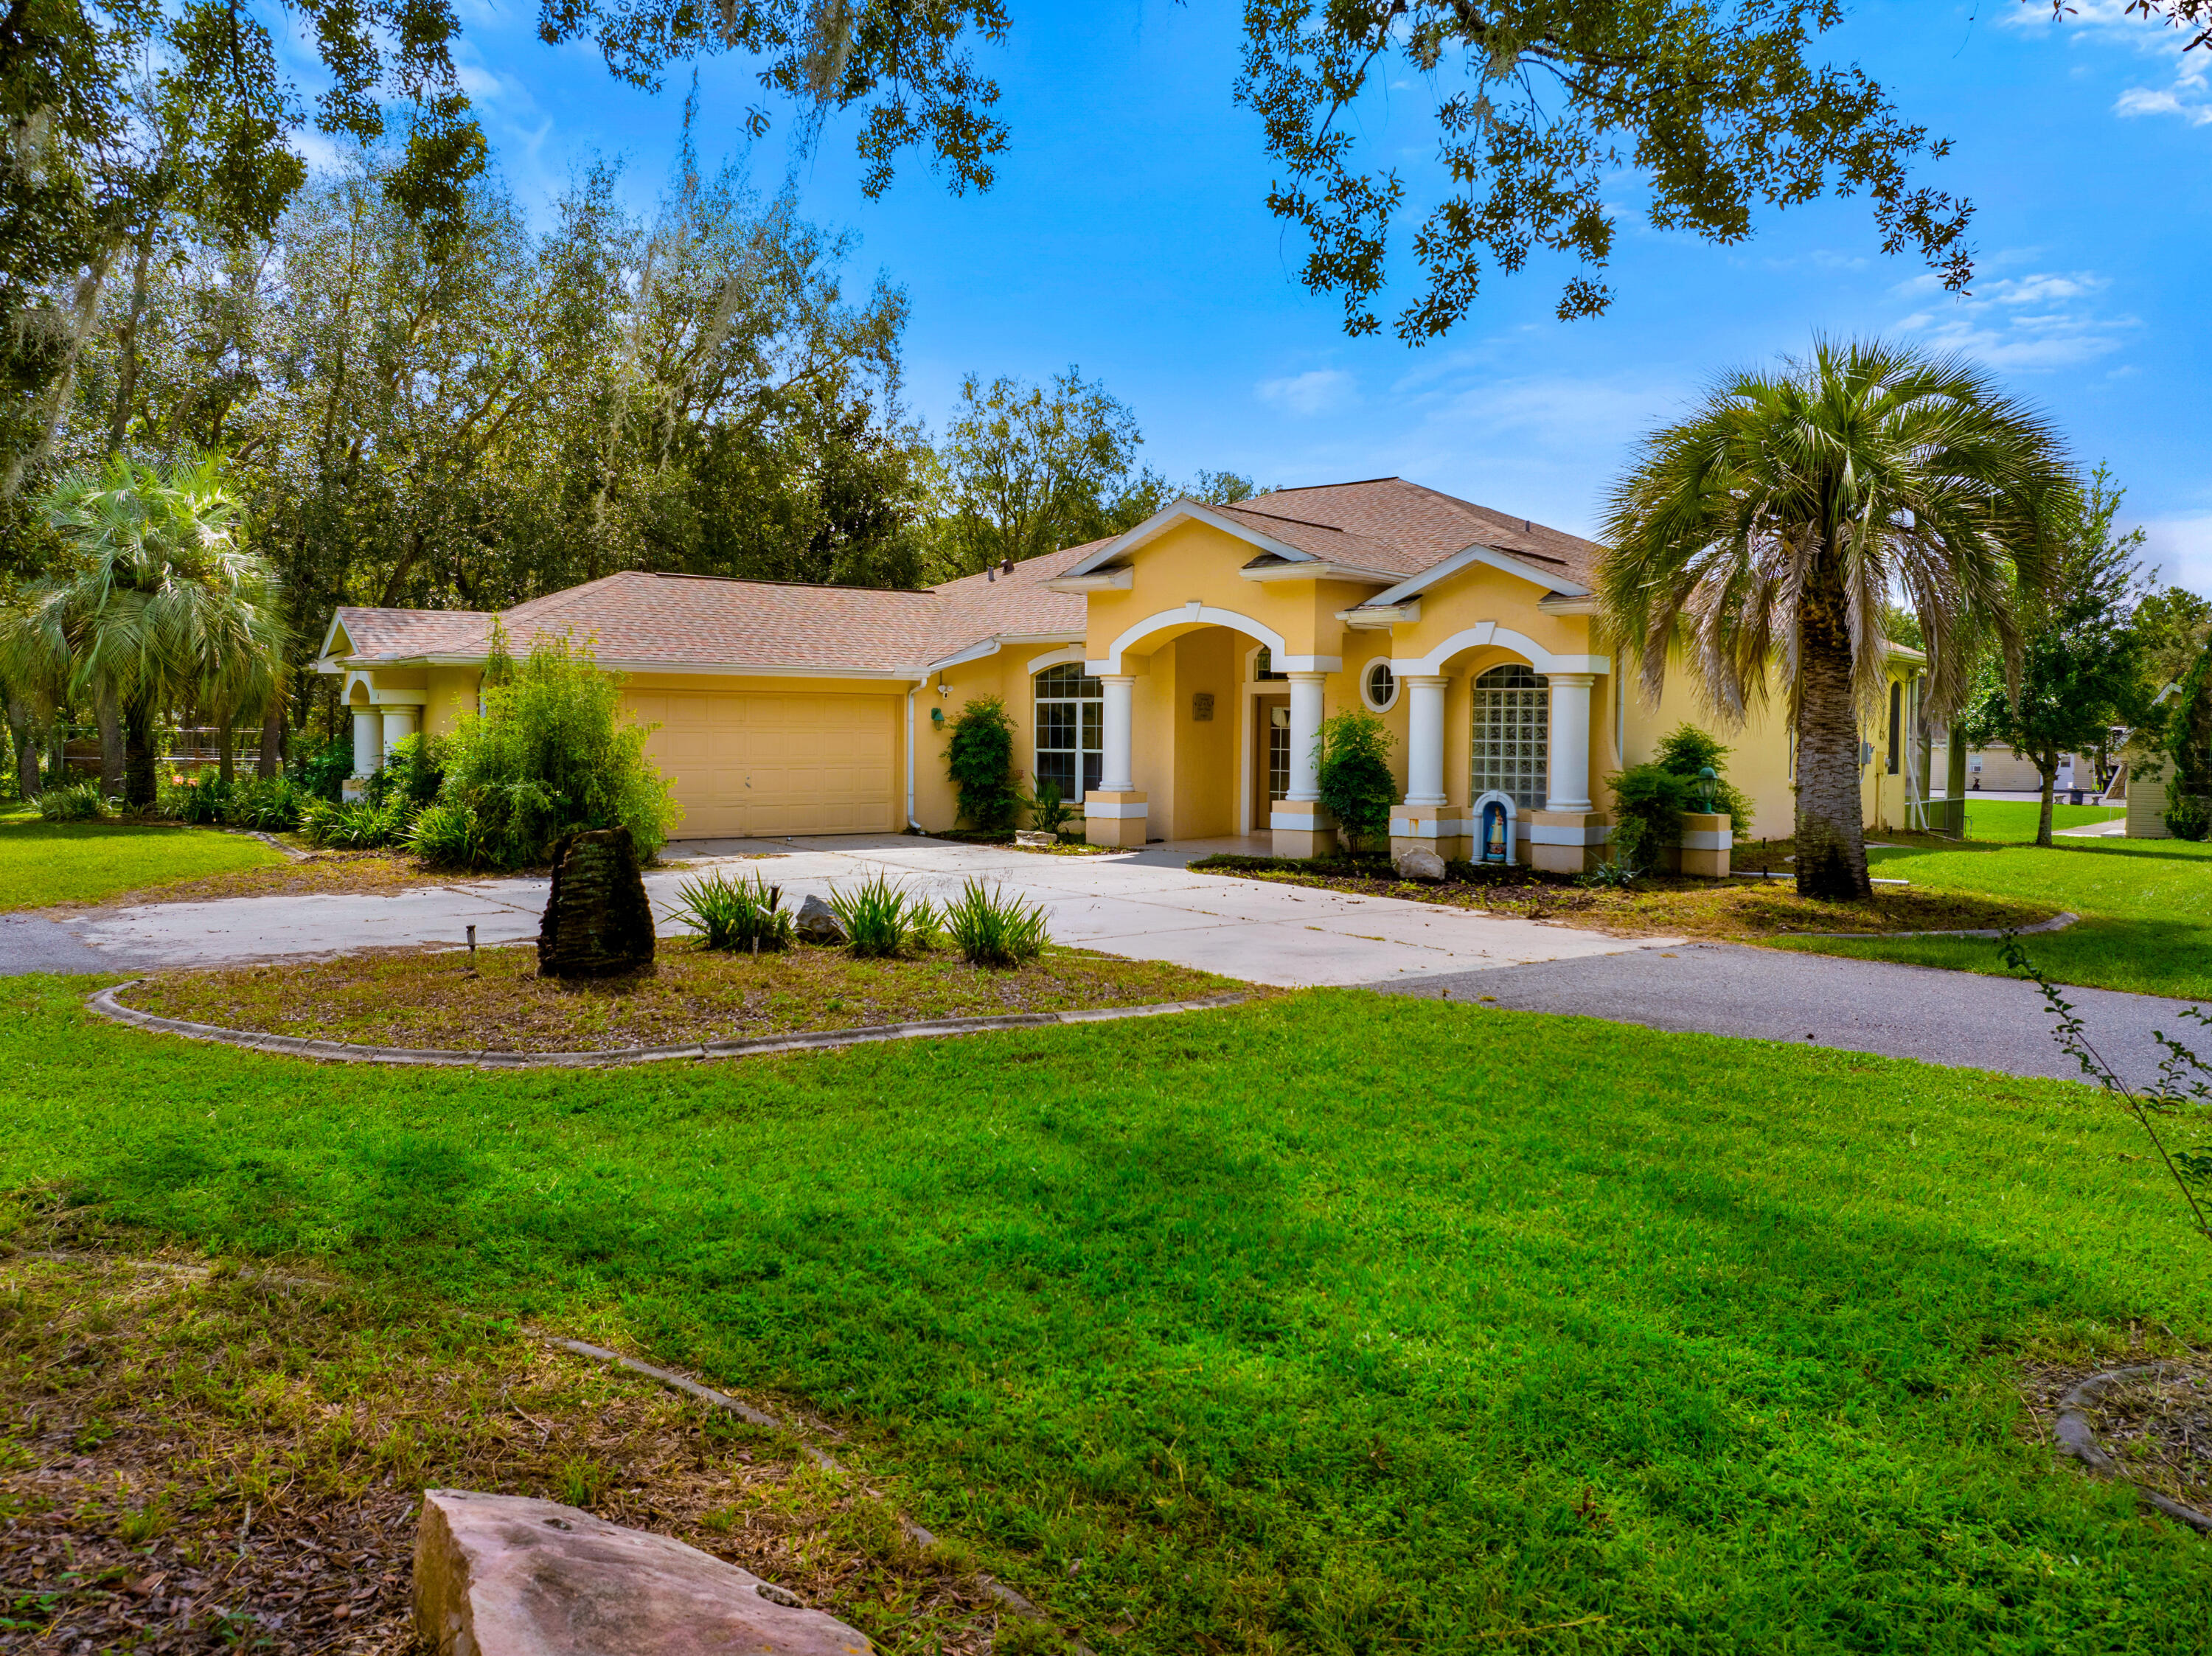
1172	677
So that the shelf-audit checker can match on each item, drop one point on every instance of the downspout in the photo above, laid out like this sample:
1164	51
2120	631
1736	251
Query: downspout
913	827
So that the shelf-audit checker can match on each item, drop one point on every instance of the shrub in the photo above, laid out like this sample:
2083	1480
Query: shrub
77	801
322	771
1647	803
272	805
194	796
446	836
549	756
745	914
1356	784
992	929
1048	812
883	920
2189	818
411	772
980	760
1686	750
364	826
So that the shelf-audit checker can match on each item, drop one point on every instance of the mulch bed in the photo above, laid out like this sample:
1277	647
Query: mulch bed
1738	910
424	999
199	1462
2159	1428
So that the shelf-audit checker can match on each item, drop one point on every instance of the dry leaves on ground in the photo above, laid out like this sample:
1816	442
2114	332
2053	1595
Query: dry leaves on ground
198	1462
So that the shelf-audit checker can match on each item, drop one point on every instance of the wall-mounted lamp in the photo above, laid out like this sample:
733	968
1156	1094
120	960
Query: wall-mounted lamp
937	715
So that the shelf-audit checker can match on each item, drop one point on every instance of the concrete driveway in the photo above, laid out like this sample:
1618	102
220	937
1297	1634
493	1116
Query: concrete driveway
1144	905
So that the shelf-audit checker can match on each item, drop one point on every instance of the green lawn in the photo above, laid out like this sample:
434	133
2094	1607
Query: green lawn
2146	907
2014	820
1335	1323
47	862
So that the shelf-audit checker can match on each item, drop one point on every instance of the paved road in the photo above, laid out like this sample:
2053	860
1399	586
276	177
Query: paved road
1861	1006
1148	907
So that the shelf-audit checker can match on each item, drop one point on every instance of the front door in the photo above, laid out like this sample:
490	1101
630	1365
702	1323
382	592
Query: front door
1271	757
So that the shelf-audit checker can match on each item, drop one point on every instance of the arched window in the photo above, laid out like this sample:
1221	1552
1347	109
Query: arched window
1071	731
1512	735
1263	666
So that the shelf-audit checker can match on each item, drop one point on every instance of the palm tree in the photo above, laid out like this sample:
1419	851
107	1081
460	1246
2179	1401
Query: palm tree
1758	540
160	605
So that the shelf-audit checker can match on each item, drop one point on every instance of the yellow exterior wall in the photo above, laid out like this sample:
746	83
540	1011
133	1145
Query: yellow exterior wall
450	693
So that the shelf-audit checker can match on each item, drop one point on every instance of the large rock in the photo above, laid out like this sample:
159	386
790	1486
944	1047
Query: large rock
598	921
1418	862
505	1575
818	923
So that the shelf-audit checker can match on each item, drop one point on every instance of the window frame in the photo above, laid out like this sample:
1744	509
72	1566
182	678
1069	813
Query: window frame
1367	674
1086	761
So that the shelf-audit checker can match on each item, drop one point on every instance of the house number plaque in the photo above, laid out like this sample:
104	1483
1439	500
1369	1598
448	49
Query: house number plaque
1201	706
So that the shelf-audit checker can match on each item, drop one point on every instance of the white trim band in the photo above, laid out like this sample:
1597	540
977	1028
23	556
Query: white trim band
1116	812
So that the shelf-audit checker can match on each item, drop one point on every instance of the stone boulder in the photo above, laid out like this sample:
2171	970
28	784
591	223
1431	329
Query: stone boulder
1418	862
598	921
818	923
505	1575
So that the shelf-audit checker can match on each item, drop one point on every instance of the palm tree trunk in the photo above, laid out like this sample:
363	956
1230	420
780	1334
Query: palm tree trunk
223	767
272	738
110	743
1832	861
139	755
22	729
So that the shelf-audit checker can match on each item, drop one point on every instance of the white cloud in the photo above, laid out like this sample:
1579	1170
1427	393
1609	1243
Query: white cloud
2187	96
2180	549
2047	320
1317	391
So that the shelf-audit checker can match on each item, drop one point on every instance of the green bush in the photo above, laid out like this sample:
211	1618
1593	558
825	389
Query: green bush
446	836
363	827
411	773
322	770
1356	784
883	920
1648	805
1686	750
743	914
992	929
550	755
1048	812
195	797
271	803
2188	817
75	801
980	759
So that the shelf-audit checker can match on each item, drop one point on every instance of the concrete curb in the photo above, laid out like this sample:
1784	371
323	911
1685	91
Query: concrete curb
2056	923
104	1003
2076	1437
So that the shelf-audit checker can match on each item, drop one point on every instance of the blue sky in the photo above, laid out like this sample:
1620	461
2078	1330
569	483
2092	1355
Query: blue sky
1128	233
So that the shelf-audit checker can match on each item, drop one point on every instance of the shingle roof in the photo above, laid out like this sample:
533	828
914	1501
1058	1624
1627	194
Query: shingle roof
1401	528
645	620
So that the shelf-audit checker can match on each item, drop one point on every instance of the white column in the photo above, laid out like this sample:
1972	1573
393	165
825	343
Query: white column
1568	759
1116	771
1424	740
399	725
1305	732
368	742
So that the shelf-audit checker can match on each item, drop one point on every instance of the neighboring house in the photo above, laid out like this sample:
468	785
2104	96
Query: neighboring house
2003	770
1174	677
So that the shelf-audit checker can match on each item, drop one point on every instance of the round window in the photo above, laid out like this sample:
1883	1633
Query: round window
1380	685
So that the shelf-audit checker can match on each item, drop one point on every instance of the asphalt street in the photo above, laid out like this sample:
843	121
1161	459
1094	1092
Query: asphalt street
1860	1006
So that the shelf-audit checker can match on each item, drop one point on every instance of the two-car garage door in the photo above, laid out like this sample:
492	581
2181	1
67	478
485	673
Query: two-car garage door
775	763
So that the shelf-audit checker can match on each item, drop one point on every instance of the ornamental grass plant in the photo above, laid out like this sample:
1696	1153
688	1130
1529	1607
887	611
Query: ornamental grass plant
882	919
990	928
736	914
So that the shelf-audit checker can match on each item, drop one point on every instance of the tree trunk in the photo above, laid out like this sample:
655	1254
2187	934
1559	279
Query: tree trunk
22	729
223	767
110	743
272	738
1832	861
1954	782
139	755
2047	765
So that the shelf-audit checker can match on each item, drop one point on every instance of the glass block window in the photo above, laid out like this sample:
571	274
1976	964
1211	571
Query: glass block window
1071	731
1512	735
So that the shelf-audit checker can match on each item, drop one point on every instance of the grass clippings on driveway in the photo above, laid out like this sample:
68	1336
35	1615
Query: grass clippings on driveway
1336	1321
1732	910
197	1462
48	864
415	997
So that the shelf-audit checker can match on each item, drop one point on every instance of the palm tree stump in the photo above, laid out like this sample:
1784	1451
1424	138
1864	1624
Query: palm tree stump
598	922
